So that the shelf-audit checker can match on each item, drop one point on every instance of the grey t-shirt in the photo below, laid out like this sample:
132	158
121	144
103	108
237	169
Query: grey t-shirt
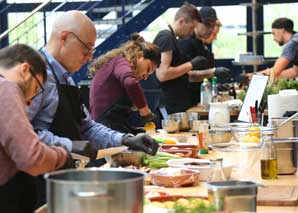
290	50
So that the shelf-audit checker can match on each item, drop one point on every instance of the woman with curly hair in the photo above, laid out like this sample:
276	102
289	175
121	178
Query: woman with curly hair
115	90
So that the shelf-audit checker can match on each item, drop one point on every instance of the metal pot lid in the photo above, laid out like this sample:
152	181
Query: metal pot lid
235	147
286	140
232	184
220	128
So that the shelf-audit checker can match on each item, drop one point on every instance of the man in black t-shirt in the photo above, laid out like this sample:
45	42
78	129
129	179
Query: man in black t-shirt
172	73
192	47
195	45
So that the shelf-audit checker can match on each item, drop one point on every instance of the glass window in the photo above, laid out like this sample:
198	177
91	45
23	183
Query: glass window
272	12
228	43
29	32
159	24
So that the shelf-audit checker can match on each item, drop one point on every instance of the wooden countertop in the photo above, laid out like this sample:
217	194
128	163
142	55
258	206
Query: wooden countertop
199	109
252	174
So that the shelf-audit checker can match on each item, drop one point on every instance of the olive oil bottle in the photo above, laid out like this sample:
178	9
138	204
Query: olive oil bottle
269	169
268	157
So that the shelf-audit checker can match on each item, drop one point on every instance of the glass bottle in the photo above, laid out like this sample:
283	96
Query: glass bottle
214	91
268	157
205	95
216	171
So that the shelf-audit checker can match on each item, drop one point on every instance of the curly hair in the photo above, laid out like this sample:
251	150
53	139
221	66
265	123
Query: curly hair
129	51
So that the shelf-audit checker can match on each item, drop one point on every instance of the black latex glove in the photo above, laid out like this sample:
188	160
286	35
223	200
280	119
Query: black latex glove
148	118
223	73
84	148
141	142
199	62
69	163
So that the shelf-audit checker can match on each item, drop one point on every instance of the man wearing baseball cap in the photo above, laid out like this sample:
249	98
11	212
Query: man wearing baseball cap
194	46
284	34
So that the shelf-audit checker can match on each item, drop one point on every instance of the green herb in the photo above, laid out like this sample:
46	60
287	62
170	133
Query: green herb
159	160
278	85
200	207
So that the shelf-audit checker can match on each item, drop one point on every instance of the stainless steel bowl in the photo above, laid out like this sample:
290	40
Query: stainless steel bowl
185	119
219	135
170	126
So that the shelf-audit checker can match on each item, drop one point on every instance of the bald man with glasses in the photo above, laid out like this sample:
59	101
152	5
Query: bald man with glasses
58	114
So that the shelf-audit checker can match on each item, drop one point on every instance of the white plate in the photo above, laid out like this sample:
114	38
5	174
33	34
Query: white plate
204	169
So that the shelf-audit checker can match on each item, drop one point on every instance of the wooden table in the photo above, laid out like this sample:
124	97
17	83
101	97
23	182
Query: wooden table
202	112
253	175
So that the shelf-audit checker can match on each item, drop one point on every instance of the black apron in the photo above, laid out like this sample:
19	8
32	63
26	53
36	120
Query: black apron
69	113
175	93
66	121
18	195
118	116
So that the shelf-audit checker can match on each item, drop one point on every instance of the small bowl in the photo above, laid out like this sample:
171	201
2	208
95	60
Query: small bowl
170	126
201	165
174	177
193	148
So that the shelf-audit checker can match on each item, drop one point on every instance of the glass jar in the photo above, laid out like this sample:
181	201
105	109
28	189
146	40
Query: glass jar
268	156
216	171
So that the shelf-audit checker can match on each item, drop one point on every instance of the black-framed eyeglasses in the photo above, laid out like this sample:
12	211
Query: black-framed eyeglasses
38	82
90	49
41	88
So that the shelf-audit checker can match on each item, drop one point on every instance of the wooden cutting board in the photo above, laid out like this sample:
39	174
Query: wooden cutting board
277	196
110	151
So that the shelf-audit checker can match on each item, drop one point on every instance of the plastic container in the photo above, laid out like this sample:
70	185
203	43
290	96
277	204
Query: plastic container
192	148
246	132
202	165
174	177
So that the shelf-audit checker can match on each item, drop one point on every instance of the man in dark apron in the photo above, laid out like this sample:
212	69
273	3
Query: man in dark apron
194	46
22	71
173	74
58	115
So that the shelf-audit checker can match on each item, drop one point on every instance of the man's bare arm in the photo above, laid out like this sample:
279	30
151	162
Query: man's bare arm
290	73
165	72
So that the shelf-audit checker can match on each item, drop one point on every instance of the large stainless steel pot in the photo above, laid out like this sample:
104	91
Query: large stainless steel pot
286	155
95	190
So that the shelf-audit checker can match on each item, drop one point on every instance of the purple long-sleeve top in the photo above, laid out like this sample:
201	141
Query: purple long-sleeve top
112	81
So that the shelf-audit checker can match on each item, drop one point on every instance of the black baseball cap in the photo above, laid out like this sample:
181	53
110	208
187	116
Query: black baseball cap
208	14
283	23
